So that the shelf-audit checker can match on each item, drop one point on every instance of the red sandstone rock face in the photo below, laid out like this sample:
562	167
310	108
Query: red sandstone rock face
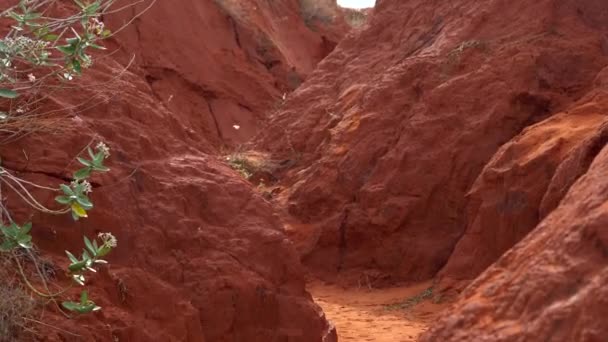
201	255
220	63
391	131
549	287
526	180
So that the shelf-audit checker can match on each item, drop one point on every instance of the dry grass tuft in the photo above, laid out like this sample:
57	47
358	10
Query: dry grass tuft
355	18
251	163
16	305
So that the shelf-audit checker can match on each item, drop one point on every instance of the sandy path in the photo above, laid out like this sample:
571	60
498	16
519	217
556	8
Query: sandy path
362	315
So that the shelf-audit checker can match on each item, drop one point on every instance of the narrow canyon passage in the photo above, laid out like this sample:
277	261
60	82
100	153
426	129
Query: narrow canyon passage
397	314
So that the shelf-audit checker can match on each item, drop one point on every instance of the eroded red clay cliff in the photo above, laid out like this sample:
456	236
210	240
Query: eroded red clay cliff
549	287
526	180
390	133
222	63
201	256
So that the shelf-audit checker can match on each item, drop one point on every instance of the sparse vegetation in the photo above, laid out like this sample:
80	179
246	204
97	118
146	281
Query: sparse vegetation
16	307
313	12
251	163
412	301
44	51
355	18
455	55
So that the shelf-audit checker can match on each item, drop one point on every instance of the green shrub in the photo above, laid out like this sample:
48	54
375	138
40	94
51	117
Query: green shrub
40	53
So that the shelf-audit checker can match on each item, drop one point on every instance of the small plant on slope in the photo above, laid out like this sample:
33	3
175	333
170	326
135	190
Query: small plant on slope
45	51
75	200
412	301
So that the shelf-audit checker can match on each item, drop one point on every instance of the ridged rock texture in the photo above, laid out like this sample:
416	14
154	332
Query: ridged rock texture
549	287
457	140
228	62
449	136
391	135
201	255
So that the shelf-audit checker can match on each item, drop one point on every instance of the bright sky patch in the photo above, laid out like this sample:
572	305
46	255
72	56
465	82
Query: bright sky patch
357	3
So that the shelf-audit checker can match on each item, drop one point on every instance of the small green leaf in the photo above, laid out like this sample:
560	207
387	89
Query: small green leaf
51	37
91	153
76	66
67	190
98	47
85	255
71	306
90	246
41	32
26	228
78	188
103	251
9	231
80	4
84	161
71	257
16	16
106	33
77	266
82	173
98	158
63	200
84	297
92	8
101	168
7	93
84	202
67	50
31	16
25	242
81	308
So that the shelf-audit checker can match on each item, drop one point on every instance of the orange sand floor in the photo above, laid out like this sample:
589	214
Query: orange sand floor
363	314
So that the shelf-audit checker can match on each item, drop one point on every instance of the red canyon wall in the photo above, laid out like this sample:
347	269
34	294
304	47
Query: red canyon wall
220	63
550	286
201	256
390	134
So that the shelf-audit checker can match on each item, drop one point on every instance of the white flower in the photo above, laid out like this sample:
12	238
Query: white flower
87	186
31	78
108	239
103	148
